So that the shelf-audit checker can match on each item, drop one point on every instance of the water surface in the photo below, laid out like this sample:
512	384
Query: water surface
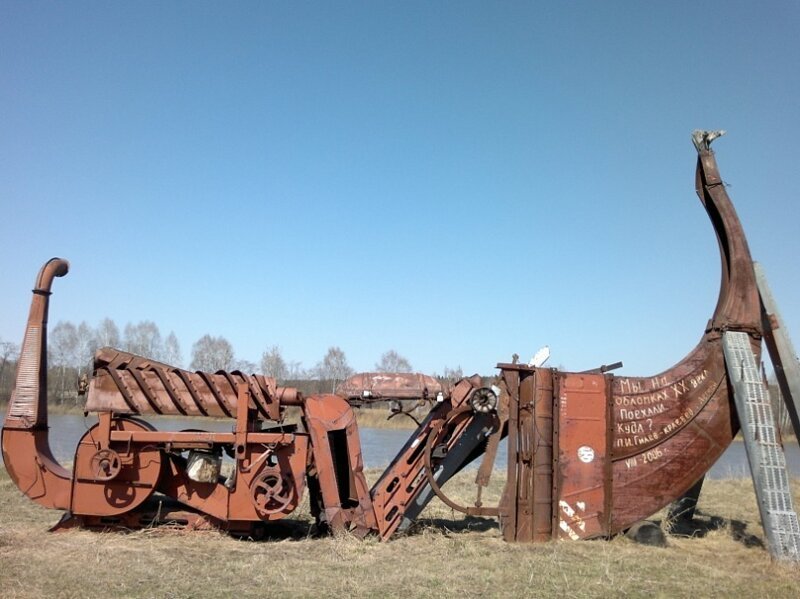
379	446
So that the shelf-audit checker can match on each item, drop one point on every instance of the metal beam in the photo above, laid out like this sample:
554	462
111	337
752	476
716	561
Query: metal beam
781	350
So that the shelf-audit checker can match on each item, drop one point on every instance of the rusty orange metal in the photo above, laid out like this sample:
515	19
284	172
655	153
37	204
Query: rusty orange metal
629	446
379	386
582	502
338	466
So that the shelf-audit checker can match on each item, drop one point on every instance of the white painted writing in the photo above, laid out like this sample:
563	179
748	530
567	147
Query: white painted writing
643	413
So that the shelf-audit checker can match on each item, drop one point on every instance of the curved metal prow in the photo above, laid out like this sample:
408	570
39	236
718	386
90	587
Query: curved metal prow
737	305
28	407
26	450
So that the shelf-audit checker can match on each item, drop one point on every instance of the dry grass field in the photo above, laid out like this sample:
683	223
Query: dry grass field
444	556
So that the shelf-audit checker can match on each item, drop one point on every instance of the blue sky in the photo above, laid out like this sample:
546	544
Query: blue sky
456	181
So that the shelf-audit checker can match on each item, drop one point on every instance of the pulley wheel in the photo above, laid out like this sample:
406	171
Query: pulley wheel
105	465
118	478
271	492
483	400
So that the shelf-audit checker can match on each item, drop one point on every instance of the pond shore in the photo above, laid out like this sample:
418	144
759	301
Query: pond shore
367	417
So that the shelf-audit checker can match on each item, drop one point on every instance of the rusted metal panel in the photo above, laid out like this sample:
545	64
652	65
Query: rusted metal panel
581	506
508	502
378	386
540	452
345	494
528	497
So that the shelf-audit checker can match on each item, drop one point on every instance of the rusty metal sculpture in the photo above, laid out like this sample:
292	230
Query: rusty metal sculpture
589	453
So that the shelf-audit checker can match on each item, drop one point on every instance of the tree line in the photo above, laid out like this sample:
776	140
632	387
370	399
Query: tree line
71	349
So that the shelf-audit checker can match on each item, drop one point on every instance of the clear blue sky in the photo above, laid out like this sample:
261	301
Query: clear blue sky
457	181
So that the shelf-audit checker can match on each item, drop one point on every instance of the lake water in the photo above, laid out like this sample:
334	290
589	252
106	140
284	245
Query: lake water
379	446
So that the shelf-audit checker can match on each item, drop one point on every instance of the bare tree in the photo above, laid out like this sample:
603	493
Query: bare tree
144	339
244	366
391	361
62	351
296	372
172	351
9	352
86	344
334	367
62	345
453	374
107	334
273	364
211	354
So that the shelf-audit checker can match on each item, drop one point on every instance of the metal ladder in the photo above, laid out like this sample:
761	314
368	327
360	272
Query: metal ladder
764	452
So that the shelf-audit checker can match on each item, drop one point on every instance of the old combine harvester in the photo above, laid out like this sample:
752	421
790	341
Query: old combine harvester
590	454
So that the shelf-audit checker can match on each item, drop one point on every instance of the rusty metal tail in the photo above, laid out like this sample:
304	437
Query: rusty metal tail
26	450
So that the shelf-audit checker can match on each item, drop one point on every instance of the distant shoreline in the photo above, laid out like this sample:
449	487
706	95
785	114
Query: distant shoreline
366	417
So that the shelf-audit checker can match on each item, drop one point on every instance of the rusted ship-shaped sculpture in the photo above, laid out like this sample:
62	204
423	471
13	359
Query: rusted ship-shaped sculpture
593	454
589	453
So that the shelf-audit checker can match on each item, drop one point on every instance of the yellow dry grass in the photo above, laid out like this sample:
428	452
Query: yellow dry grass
444	556
379	418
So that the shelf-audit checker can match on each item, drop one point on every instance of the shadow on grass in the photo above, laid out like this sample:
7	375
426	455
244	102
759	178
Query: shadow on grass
301	530
282	530
702	524
469	523
156	521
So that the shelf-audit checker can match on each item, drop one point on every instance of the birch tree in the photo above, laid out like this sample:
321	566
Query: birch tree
211	354
86	344
273	364
107	334
9	352
144	339
391	361
62	352
172	351
334	367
